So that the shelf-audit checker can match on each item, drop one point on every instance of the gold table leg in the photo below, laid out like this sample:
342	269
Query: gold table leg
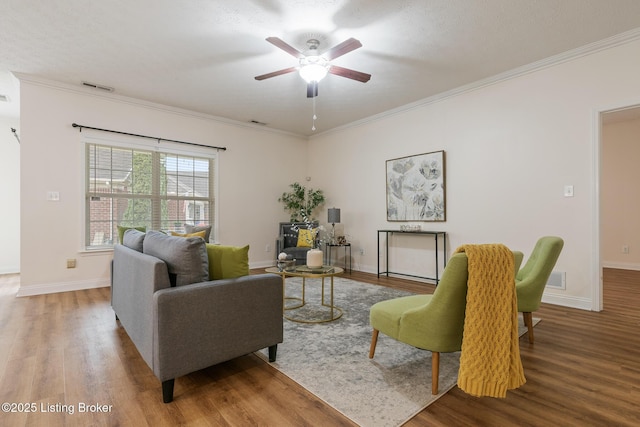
336	312
285	298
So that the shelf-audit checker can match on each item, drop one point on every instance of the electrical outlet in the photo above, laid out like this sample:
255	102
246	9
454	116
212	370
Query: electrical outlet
625	249
267	248
71	263
361	251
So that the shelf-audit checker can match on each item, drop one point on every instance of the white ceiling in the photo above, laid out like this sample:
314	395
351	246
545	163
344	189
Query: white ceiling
202	55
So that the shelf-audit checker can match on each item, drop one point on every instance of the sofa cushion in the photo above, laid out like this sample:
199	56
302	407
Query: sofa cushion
186	257
227	262
288	234
133	239
188	228
122	229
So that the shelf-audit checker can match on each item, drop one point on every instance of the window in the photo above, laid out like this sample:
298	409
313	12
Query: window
136	187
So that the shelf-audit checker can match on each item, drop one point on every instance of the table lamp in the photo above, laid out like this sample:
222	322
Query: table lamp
334	217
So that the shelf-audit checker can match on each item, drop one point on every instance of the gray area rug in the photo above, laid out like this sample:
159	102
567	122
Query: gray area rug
331	359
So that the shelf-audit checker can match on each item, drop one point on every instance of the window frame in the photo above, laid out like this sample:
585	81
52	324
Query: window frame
157	148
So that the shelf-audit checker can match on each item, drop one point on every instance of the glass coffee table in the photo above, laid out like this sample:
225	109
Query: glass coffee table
333	312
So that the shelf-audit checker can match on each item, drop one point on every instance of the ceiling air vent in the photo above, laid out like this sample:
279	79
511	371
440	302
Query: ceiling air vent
4	98
97	86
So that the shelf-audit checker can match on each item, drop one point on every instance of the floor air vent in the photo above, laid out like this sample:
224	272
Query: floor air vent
557	280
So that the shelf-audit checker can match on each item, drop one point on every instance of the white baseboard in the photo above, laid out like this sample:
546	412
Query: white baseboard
561	300
51	288
621	265
9	270
568	301
262	264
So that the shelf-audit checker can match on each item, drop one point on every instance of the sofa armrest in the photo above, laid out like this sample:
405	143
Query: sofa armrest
200	325
135	278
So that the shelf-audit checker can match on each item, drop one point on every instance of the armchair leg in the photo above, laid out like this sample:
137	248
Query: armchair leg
167	390
273	350
374	342
528	322
435	371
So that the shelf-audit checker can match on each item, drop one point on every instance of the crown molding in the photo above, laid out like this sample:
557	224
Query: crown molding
608	43
114	97
589	49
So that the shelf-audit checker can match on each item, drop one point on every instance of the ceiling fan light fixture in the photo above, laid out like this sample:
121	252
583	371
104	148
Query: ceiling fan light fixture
313	72
313	68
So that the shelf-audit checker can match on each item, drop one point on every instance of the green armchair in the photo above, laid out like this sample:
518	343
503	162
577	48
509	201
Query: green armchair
532	278
430	322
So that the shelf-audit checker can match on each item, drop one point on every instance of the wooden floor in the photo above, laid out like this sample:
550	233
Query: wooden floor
61	351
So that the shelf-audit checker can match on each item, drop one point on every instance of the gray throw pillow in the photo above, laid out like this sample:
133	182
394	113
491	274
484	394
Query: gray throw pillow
133	239
188	228
186	257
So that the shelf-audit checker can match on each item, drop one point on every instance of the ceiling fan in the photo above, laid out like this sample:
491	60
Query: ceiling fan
313	66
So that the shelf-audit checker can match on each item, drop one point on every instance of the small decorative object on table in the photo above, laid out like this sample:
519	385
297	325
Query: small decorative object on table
285	262
411	227
314	258
341	240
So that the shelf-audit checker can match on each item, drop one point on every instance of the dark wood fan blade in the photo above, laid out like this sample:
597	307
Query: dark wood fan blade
276	73
350	74
284	46
312	89
342	48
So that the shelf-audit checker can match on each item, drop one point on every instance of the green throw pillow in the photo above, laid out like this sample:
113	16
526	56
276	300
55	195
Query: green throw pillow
122	229
227	262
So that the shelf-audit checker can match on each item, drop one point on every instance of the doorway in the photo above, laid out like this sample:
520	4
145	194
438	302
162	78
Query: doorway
618	198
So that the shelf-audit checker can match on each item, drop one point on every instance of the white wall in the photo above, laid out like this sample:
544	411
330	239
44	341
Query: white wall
253	173
510	149
620	198
9	196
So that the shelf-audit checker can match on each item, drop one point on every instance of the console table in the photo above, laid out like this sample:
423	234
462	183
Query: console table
434	234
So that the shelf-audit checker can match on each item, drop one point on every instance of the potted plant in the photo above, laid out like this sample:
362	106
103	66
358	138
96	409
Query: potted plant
300	202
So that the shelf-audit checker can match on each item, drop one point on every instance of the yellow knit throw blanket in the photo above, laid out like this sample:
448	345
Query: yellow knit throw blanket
490	359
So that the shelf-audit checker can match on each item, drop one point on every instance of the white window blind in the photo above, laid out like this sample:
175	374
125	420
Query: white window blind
145	187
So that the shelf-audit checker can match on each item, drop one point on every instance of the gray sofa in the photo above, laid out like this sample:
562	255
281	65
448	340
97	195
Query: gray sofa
182	329
287	241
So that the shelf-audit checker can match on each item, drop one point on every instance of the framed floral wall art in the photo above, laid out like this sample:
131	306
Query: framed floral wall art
416	188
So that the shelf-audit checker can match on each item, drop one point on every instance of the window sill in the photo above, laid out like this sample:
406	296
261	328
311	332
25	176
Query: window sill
98	251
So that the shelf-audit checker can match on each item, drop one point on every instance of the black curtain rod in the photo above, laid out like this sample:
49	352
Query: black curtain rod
75	125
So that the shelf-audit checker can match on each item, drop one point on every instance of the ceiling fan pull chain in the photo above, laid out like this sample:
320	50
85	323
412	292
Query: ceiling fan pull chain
313	127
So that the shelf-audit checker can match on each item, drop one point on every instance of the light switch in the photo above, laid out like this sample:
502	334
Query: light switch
568	191
53	196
